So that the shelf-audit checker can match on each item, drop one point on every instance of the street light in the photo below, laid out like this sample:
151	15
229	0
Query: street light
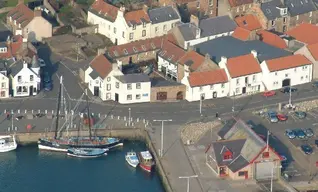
129	116
161	147
290	94
274	167
201	98
188	180
233	104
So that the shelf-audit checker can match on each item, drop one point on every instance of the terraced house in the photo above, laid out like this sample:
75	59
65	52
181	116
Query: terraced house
122	26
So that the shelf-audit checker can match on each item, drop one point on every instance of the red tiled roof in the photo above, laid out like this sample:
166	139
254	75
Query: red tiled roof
22	14
101	65
207	77
13	47
287	62
137	17
272	39
313	48
136	47
241	33
305	32
193	59
243	65
106	9
249	22
171	52
235	3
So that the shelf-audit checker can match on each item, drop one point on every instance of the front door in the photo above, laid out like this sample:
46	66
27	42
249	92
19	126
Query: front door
215	94
31	90
243	90
116	97
96	91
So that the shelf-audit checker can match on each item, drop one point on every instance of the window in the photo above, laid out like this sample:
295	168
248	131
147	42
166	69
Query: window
31	77
241	173
286	75
3	93
138	86
163	53
201	88
276	74
134	27
129	86
211	2
172	25
117	85
198	4
123	34
144	24
301	78
143	33
285	19
306	76
243	7
96	82
165	27
135	50
254	78
304	68
222	85
108	87
108	79
129	97
284	28
108	96
115	53
273	22
3	85
295	69
238	10
156	29
310	14
138	96
114	30
266	154
19	78
237	90
153	46
125	51
109	27
131	36
211	87
237	81
211	12
227	155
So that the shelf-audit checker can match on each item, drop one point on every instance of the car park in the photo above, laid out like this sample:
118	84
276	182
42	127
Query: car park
288	89
300	114
307	149
282	117
269	93
290	134
309	132
272	116
300	134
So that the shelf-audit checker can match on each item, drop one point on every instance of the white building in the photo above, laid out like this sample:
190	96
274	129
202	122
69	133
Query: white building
124	27
244	74
4	80
199	31
26	80
106	80
206	85
286	71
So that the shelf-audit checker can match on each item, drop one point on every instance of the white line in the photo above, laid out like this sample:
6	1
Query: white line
64	87
73	72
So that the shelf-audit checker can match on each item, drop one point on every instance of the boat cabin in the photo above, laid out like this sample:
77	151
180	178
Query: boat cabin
146	157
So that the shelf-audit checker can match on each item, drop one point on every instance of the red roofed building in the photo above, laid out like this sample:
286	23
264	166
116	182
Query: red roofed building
305	33
244	73
30	24
11	48
122	26
239	7
249	22
311	52
242	34
271	39
286	71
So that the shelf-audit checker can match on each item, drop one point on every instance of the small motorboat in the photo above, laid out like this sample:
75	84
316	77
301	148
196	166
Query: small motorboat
132	159
86	152
146	161
7	143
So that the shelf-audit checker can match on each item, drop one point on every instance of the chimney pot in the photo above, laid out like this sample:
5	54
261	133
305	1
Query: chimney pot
254	52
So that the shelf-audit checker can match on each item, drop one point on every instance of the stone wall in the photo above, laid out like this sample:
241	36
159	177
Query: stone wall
88	30
171	91
137	58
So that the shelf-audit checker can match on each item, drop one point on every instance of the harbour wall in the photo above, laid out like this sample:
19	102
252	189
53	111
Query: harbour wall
142	134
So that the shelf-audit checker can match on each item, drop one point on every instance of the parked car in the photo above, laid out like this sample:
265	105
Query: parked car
282	117
19	117
288	89
300	114
46	77
42	62
272	116
48	86
300	134
269	93
309	132
307	149
315	84
283	159
290	134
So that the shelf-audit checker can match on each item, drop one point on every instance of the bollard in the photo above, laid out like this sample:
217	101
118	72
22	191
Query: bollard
99	115
118	117
137	120
12	111
18	111
32	111
45	111
144	120
39	111
16	129
131	119
8	129
5	111
124	118
92	114
112	117
65	112
126	124
52	112
25	111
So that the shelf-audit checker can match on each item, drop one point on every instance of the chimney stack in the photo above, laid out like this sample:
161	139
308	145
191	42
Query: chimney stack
20	1
194	20
254	52
145	8
37	12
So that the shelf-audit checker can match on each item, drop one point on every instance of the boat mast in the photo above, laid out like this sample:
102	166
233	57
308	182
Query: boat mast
58	108
89	116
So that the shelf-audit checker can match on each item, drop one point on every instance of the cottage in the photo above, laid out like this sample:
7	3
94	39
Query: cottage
311	53
4	78
12	47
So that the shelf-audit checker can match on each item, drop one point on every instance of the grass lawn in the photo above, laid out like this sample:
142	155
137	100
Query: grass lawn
13	3
3	17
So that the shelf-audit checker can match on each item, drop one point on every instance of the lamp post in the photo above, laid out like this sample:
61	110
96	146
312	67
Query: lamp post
201	98
290	94
129	116
272	177
188	180
233	104
161	146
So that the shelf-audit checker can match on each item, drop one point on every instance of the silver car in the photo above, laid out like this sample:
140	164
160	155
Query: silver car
272	116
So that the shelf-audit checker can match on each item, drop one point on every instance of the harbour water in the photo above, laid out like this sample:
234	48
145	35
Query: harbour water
31	170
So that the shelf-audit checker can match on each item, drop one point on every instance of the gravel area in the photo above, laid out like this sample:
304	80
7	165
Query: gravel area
307	105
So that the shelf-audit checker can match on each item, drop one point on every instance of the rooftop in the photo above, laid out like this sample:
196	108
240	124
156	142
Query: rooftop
163	14
287	62
192	59
219	47
21	14
270	9
101	65
241	33
104	9
271	39
216	25
305	32
299	7
133	78
171	52
243	65
313	48
188	31
235	3
207	77
136	17
161	82
249	22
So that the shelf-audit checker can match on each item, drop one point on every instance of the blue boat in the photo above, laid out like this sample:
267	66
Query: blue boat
86	152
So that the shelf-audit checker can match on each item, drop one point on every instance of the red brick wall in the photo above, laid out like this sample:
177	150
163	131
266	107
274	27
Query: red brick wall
172	92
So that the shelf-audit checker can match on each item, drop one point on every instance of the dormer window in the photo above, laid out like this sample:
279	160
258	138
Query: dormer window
227	156
283	11
170	57
163	53
134	26
3	50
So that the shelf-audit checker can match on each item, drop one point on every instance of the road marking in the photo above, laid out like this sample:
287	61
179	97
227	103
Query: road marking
73	72
64	87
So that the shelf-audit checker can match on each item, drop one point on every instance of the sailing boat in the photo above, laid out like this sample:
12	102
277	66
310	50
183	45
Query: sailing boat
7	143
62	144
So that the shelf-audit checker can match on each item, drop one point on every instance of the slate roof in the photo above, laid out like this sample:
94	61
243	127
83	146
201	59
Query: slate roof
270	9
188	31
161	82
101	65
299	7
94	74
133	78
16	68
219	47
163	14
216	25
228	125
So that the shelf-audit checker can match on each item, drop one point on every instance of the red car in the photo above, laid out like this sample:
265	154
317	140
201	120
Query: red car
269	93
282	117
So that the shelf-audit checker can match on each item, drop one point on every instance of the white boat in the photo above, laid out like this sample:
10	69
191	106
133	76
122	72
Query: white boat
132	159
7	143
86	152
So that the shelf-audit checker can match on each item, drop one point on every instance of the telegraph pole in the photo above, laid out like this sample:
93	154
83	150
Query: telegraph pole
161	146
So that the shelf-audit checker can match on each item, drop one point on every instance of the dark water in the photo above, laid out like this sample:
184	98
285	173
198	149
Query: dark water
30	170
